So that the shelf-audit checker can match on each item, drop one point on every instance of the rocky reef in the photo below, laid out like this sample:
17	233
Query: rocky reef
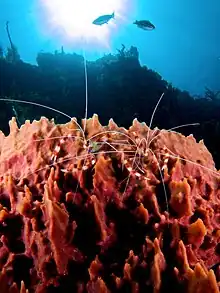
92	208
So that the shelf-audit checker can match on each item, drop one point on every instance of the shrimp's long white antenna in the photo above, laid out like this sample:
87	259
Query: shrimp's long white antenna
35	104
171	130
43	106
86	84
152	117
86	108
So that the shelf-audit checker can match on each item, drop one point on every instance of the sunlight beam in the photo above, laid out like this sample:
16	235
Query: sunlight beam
72	19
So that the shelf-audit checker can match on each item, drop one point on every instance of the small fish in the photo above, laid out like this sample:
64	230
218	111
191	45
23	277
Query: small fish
145	25
103	19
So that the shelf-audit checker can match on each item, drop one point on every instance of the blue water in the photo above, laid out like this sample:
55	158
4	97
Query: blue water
184	48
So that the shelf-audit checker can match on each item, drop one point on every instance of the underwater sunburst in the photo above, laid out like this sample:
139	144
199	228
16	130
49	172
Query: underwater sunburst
72	19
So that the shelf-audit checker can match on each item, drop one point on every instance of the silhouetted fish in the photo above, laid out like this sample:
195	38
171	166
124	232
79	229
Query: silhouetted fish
145	25
103	19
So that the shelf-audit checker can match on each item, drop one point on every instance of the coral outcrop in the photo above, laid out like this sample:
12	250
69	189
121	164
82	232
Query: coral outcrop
105	209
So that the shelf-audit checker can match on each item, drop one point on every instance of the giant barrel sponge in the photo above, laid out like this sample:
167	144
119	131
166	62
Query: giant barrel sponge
105	209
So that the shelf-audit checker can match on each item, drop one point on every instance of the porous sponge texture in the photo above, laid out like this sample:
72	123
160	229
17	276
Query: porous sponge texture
96	218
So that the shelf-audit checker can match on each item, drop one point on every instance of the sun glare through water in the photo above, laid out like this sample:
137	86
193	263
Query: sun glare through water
72	19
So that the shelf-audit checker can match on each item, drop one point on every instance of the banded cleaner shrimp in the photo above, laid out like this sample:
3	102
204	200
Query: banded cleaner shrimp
135	152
